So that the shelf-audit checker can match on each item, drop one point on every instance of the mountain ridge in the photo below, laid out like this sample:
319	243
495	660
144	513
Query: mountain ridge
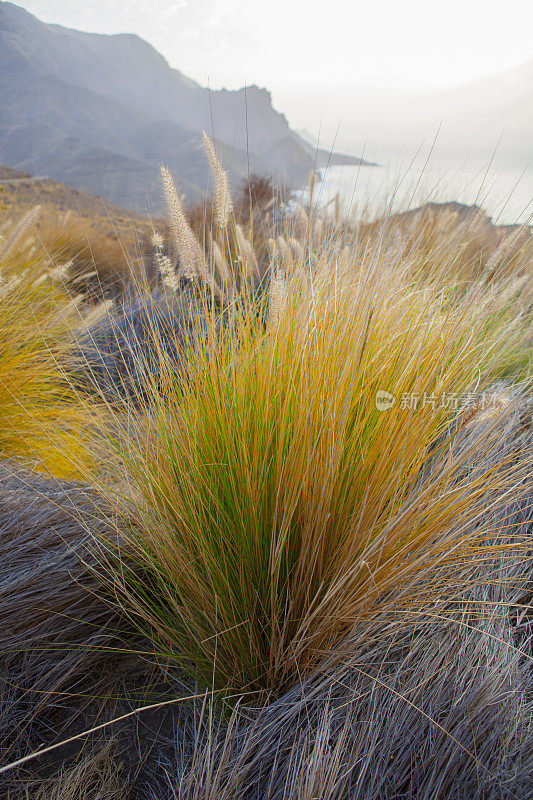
100	112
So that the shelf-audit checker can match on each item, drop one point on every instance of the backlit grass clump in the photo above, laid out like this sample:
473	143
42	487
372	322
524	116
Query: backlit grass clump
41	420
274	511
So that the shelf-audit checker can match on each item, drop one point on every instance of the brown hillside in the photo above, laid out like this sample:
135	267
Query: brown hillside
100	238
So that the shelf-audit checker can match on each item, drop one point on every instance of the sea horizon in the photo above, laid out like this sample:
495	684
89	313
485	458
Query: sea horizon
502	187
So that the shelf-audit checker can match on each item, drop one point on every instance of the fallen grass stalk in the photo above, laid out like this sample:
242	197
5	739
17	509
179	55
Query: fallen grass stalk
45	750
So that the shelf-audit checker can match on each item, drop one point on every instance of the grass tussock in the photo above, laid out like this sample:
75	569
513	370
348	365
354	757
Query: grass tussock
40	412
274	510
96	775
453	242
61	644
440	710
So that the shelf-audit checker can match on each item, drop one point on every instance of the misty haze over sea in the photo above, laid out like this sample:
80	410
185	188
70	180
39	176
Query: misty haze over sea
503	187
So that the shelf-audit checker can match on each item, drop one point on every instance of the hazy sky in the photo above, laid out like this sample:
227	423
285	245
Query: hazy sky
284	44
334	67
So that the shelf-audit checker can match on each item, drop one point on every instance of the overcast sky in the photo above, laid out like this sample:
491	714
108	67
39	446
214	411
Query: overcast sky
289	43
317	56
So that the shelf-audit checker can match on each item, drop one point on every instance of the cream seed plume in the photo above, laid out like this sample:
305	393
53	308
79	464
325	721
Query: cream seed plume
247	252
318	233
313	177
61	272
512	289
223	203
285	252
164	265
193	263
273	250
102	310
502	251
221	265
277	296
337	215
296	248
301	221
184	239
167	272
157	240
7	286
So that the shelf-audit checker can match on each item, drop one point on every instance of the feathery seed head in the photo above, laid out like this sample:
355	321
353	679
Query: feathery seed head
7	286
60	273
22	226
285	252
247	252
318	233
102	310
221	264
157	241
313	178
302	221
192	260
501	252
273	251
223	203
167	272
277	296
297	248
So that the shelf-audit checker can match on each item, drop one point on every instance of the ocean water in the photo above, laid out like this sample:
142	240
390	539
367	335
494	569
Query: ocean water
503	187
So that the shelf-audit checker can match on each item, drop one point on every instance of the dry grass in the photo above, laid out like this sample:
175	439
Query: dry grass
95	776
442	709
103	241
437	713
272	507
61	644
40	414
102	260
268	502
451	243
